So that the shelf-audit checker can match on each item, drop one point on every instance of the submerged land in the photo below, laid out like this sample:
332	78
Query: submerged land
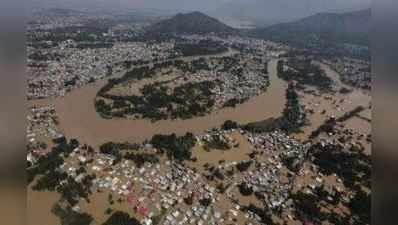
135	121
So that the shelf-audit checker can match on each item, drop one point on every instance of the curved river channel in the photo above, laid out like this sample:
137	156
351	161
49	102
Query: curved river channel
79	119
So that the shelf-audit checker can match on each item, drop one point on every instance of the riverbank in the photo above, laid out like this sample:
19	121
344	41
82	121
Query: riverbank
78	118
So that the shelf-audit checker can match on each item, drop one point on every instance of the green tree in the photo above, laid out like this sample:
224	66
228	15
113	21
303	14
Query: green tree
121	218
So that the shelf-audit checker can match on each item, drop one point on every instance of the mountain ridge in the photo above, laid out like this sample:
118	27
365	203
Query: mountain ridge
191	23
352	27
270	12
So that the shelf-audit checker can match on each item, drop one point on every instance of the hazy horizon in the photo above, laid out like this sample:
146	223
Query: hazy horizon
258	12
189	5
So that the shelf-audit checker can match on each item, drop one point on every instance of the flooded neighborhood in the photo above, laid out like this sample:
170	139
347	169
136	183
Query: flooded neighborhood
145	121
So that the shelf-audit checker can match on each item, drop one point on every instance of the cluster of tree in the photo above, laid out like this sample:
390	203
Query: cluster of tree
141	158
216	142
72	191
292	162
51	178
121	218
156	103
307	206
111	148
124	150
68	216
353	167
360	207
94	45
206	202
293	116
229	125
102	108
121	146
323	195
245	189
51	161
139	73
244	166
304	72
233	102
264	126
120	102
264	214
176	148
355	170
203	47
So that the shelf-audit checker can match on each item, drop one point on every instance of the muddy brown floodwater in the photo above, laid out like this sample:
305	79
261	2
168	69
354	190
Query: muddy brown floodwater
336	105
79	119
39	206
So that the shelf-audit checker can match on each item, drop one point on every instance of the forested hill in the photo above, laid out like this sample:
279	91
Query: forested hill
351	28
190	23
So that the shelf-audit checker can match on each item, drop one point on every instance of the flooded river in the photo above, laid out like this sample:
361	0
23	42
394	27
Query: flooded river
78	118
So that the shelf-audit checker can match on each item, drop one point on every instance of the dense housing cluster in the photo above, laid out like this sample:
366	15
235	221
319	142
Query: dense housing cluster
281	173
184	89
307	163
41	130
354	72
54	71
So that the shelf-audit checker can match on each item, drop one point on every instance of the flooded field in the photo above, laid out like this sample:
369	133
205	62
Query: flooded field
214	156
39	205
78	118
336	105
98	205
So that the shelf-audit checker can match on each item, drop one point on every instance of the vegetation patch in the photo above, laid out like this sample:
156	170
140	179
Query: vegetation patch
159	102
176	148
202	47
68	216
304	72
118	218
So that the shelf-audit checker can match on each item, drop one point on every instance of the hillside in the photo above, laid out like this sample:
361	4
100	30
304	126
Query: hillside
190	23
351	28
270	12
